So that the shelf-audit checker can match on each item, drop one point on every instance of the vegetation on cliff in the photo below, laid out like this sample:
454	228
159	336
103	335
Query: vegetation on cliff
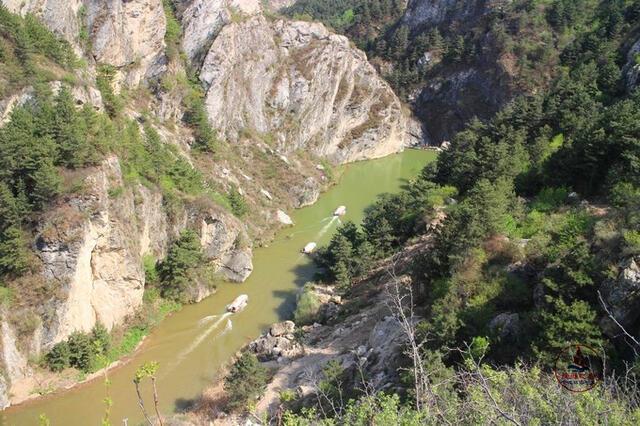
542	210
479	54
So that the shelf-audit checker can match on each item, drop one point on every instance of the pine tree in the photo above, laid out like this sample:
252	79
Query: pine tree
58	357
81	351
14	256
184	254
246	381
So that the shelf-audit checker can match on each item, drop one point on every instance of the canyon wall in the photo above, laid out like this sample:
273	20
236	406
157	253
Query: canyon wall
274	88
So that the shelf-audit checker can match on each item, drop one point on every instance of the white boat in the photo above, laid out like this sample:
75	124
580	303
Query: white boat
309	248
238	303
340	211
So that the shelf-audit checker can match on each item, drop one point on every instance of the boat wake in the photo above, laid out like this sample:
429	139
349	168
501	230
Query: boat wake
198	340
207	320
326	227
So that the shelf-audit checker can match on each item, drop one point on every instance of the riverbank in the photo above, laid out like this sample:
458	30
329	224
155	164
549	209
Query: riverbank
126	341
193	344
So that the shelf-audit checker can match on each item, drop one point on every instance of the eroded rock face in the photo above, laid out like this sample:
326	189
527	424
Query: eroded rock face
307	87
86	244
60	17
506	326
128	35
93	245
202	20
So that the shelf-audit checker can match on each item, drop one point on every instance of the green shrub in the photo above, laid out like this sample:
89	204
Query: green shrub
101	339
238	204
307	306
151	276
205	137
245	382
59	357
173	30
81	351
104	80
632	242
550	199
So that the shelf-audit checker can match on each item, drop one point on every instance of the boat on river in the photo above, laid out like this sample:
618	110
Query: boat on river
238	304
309	248
340	211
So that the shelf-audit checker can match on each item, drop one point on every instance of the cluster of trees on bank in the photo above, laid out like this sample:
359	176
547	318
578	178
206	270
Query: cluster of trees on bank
542	207
48	141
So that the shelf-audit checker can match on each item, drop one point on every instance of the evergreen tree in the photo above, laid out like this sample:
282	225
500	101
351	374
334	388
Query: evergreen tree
14	257
100	338
246	381
81	351
184	254
59	357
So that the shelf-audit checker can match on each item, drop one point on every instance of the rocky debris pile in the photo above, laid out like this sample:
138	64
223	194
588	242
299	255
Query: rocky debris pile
278	343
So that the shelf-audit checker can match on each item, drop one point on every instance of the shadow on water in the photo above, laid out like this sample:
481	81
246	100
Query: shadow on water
304	272
184	404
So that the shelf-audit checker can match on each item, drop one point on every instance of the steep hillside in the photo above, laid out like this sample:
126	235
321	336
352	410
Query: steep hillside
455	60
504	278
129	182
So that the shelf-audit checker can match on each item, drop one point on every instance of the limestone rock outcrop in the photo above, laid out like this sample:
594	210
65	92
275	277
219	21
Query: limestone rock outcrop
128	35
306	87
202	20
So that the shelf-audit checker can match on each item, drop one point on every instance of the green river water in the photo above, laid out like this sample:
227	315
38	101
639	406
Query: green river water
191	345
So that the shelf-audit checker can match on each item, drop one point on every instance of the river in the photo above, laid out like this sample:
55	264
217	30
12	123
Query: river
192	344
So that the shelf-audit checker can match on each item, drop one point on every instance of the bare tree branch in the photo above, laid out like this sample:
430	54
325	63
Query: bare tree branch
636	344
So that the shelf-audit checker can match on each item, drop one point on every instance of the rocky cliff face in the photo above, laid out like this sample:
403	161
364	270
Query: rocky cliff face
428	13
128	35
91	247
273	87
622	297
202	20
631	70
455	94
304	87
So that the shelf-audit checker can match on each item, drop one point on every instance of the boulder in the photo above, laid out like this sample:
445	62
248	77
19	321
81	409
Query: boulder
284	218
282	328
306	193
506	326
237	265
278	343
